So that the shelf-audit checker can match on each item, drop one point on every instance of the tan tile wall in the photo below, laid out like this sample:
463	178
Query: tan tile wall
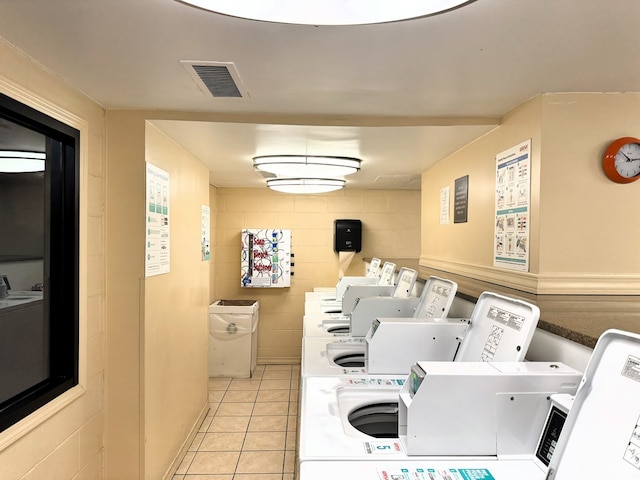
391	229
69	442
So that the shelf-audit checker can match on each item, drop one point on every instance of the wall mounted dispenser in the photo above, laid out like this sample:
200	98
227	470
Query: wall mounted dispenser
347	235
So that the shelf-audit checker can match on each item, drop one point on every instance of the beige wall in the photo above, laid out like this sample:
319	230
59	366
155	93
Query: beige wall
157	344
574	208
391	228
175	314
125	251
467	248
64	439
585	215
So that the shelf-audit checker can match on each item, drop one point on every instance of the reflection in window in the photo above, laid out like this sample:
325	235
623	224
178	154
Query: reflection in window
38	263
24	348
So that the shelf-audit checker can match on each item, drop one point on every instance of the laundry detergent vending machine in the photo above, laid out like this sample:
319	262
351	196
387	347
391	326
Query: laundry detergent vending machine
266	258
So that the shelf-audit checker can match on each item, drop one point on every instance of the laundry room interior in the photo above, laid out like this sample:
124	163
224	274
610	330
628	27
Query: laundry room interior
219	325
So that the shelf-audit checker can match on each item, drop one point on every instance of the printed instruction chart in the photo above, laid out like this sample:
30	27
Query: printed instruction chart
157	251
400	473
512	208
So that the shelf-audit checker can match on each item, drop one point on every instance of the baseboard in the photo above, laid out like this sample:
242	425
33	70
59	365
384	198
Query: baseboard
184	448
279	360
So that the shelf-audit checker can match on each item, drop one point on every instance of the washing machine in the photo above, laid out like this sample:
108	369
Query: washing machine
356	319
347	299
358	418
597	438
382	285
329	293
361	304
428	339
500	329
449	468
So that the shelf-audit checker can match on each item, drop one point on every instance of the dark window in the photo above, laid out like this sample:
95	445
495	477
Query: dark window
39	218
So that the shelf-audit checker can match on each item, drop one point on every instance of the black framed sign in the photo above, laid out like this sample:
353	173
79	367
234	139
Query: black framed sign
461	200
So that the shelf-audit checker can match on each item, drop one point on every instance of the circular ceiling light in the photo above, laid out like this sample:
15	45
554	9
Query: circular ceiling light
12	161
327	12
311	166
305	185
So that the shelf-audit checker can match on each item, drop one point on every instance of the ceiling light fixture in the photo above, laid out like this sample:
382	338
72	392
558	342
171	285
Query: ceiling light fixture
310	166
327	12
305	185
12	161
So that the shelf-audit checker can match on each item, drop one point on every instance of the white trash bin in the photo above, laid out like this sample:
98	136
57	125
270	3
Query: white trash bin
233	338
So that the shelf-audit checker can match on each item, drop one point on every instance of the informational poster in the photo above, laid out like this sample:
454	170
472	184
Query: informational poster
157	251
205	233
444	205
512	207
266	258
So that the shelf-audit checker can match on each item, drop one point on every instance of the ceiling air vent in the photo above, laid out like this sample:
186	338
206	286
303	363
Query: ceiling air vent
403	182
219	79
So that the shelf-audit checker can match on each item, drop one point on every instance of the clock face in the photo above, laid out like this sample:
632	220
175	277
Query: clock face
627	161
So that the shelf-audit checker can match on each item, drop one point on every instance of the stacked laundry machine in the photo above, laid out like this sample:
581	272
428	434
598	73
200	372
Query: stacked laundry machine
421	395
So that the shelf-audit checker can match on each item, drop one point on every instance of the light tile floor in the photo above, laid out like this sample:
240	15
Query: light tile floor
250	430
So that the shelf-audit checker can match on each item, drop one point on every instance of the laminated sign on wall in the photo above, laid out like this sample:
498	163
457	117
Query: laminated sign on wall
266	258
513	194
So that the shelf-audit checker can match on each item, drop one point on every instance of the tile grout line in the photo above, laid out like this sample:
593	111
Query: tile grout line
289	430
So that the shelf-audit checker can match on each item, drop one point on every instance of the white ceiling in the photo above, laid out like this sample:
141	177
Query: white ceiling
401	96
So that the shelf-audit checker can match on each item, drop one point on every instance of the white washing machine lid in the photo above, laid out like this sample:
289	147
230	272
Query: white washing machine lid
385	278
436	298
500	330
405	281
603	424
317	353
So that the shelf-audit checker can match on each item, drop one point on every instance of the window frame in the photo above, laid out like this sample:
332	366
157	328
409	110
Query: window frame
61	264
